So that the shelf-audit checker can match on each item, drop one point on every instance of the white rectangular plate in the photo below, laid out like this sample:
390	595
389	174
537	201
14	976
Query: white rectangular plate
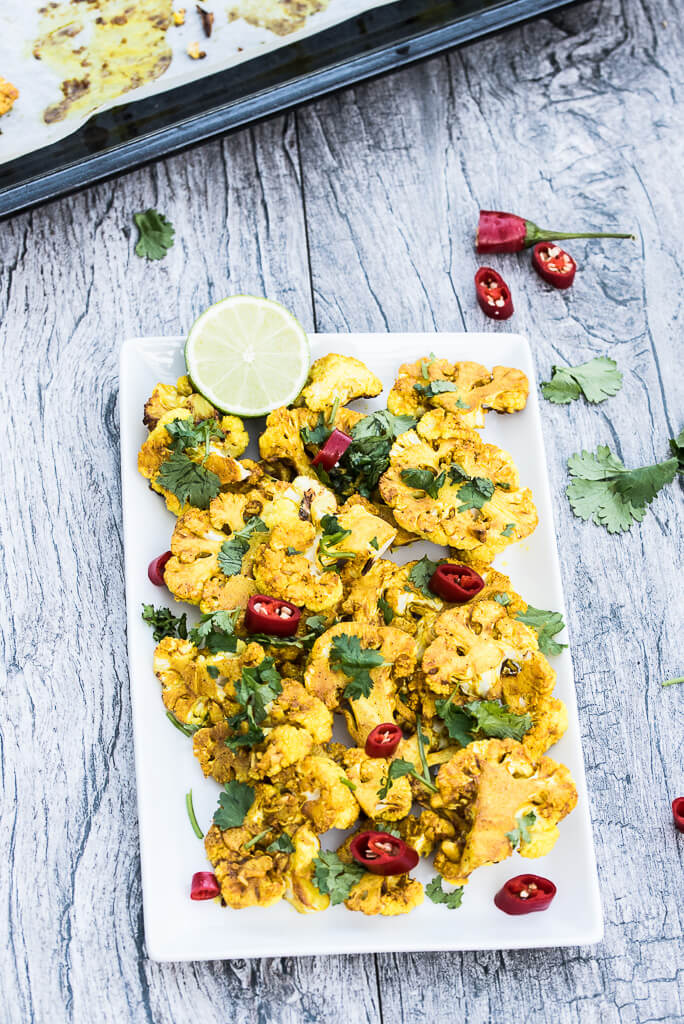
178	929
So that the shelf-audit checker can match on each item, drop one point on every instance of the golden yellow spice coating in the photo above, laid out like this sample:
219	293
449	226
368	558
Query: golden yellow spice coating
499	799
479	508
367	775
389	896
338	379
465	389
8	95
247	877
302	893
281	442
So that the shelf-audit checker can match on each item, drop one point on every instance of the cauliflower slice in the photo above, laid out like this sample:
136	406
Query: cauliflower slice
336	378
247	877
189	690
8	95
504	389
376	508
389	896
281	442
480	507
398	652
367	537
485	789
367	775
282	747
286	567
299	707
166	397
327	800
302	892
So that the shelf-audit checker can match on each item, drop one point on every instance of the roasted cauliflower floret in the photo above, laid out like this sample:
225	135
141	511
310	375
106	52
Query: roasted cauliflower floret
376	508
341	379
326	679
295	577
302	893
328	800
167	397
299	707
499	799
368	775
190	691
282	747
423	833
390	895
465	389
282	443
247	877
479	507
355	540
8	95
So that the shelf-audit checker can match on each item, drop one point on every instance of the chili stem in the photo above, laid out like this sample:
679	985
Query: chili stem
255	839
425	779
671	682
541	235
191	815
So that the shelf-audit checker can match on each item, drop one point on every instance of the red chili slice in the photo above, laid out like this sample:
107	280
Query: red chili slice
204	886
271	615
155	570
678	812
493	294
525	894
457	583
333	450
553	264
383	740
383	854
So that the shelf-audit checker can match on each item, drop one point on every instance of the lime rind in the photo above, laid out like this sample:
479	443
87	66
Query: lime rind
247	355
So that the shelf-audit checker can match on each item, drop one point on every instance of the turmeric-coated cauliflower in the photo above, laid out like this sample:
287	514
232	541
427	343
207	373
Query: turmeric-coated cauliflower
499	799
282	444
248	877
341	379
8	95
167	397
478	507
465	389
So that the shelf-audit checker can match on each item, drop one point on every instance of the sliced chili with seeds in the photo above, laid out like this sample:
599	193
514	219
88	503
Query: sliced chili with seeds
553	264
204	886
493	294
525	894
271	615
383	740
457	583
382	853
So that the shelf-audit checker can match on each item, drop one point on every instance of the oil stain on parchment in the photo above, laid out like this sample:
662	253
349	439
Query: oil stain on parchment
101	49
280	16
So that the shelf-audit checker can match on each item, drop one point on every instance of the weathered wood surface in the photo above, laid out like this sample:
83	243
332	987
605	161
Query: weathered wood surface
357	212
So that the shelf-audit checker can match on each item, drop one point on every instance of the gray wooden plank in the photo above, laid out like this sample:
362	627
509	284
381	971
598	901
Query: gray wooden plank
71	288
589	102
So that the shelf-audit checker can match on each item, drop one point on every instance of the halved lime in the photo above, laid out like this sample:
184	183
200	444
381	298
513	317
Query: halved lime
247	355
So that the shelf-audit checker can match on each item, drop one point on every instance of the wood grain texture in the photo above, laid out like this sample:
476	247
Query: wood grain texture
358	213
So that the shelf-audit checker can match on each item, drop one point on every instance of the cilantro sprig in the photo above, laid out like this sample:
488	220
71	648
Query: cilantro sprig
399	768
427	480
434	891
155	234
164	622
257	687
333	877
348	656
234	804
367	457
597	380
521	833
216	632
421	574
610	495
546	625
489	717
234	550
333	534
189	481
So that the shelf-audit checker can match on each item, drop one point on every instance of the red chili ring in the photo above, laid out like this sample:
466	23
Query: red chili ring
558	270
493	294
155	570
678	812
267	617
204	886
383	854
383	740
457	583
332	451
525	894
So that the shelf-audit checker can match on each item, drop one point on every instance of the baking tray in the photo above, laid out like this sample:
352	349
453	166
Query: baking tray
133	133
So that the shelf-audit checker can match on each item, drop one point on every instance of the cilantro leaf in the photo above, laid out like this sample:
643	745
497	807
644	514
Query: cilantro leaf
216	631
387	610
164	622
382	424
611	495
190	482
397	770
545	624
234	550
475	493
435	387
367	457
335	878
677	449
234	803
317	435
435	892
424	480
504	599
292	551
156	234
508	530
257	687
421	574
597	380
329	554
348	656
494	719
281	844
458	721
213	671
185	433
522	831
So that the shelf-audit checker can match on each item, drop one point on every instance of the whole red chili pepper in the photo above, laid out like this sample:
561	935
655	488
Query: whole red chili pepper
333	450
506	232
457	583
155	570
383	740
271	615
678	812
525	894
493	294
383	854
204	886
553	264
